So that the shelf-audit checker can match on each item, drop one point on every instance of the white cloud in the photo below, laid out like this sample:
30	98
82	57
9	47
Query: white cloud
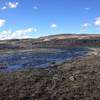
97	22
18	34
53	25
85	27
35	8
4	8
10	5
87	8
2	22
86	24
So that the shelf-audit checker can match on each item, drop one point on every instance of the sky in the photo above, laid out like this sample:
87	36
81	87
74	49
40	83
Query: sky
37	18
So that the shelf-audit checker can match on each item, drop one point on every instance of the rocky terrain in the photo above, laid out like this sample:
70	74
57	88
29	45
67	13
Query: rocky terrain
72	79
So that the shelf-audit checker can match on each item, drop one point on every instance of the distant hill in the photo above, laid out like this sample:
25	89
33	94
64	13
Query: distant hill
65	36
53	41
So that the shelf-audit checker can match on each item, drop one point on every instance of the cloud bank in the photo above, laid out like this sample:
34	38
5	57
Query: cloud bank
18	34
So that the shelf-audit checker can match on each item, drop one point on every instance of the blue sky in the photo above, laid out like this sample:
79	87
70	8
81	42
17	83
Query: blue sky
36	18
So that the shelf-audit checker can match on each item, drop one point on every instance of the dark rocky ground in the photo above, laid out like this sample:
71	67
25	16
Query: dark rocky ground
77	79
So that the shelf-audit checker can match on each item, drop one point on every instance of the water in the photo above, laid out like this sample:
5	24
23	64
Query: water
41	59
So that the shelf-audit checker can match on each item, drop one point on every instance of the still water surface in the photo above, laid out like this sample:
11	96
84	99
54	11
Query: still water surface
41	59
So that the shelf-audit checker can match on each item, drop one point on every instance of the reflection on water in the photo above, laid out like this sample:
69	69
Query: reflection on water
41	59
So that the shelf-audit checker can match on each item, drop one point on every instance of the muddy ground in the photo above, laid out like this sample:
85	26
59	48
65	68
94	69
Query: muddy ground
76	79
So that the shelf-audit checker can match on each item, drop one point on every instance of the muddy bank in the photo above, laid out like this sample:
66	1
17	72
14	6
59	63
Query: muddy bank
77	79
